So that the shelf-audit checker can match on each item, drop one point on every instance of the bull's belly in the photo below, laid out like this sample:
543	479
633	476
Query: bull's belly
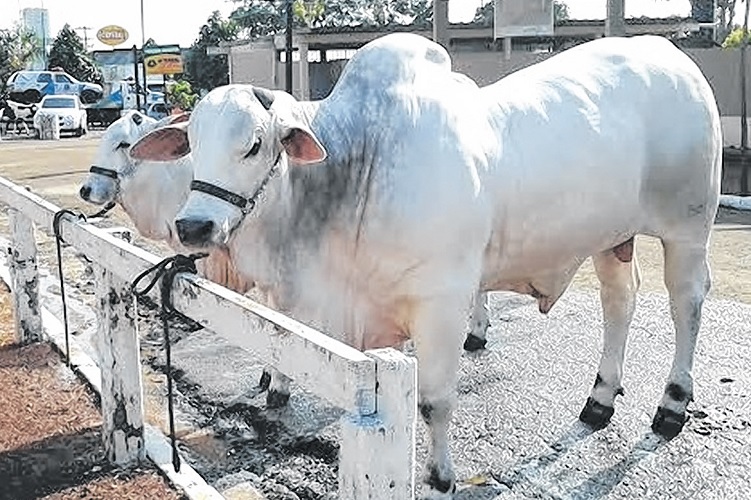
543	267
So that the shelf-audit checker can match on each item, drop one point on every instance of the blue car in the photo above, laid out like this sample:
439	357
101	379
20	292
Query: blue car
30	86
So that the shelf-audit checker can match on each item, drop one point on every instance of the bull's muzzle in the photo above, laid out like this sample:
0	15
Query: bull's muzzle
194	232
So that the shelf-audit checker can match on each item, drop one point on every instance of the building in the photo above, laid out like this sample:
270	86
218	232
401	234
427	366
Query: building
37	21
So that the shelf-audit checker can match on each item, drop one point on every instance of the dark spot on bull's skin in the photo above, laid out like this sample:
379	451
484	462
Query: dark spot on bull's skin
426	410
442	485
676	392
625	251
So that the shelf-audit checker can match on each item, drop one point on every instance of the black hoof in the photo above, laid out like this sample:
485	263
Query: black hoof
596	415
474	343
668	423
435	481
265	381
276	399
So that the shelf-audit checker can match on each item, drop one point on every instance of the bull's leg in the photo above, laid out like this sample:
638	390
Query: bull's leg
278	384
618	272
437	332
688	280
479	324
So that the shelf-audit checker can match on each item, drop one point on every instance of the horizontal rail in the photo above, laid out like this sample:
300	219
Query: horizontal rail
324	366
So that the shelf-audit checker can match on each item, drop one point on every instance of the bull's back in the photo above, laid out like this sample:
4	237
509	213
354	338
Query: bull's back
633	117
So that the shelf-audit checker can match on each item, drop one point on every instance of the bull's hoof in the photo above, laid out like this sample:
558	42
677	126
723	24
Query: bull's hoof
474	343
265	381
439	484
668	423
596	415
276	399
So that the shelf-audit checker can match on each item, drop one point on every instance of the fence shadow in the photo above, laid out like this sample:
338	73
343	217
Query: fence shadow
602	483
51	464
575	434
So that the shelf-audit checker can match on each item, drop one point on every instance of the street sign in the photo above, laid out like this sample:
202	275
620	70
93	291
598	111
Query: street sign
112	35
162	60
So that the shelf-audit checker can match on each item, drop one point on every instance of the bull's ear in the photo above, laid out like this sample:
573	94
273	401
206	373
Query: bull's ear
179	118
302	146
163	144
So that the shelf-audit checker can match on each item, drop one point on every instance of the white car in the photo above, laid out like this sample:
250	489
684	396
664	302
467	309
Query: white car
70	114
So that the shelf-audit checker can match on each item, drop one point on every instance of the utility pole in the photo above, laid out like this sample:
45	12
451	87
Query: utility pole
288	48
744	104
85	30
143	32
615	23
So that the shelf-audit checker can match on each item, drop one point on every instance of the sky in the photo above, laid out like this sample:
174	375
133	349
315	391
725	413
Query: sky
178	21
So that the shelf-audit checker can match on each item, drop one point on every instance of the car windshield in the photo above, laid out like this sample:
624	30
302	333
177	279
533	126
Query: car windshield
59	102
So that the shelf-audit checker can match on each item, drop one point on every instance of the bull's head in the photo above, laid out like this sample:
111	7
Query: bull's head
112	163
238	139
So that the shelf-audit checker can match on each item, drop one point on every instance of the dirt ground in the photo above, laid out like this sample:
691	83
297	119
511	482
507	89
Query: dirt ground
50	431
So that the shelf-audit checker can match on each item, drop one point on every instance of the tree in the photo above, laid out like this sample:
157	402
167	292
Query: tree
485	14
17	48
204	71
261	17
180	95
69	54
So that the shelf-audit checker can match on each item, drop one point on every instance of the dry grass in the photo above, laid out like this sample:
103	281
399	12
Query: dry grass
729	259
50	431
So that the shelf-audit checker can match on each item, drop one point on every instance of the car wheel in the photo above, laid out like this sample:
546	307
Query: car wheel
31	97
88	97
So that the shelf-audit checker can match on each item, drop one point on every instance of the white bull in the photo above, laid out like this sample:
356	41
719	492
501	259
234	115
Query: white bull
408	189
150	193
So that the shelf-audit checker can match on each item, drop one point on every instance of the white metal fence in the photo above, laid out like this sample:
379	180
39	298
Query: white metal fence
377	389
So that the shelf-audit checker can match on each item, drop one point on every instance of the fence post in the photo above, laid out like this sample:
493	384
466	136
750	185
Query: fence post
120	365
377	454
25	276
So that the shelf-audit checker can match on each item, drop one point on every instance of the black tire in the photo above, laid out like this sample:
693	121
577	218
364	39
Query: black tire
31	97
89	97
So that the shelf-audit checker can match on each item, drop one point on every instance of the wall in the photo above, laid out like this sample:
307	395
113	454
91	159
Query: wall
720	66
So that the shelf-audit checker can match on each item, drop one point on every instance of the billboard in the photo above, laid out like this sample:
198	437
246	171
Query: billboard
523	18
163	60
112	35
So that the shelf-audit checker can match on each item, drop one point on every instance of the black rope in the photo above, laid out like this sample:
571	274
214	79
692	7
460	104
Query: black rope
57	218
166	270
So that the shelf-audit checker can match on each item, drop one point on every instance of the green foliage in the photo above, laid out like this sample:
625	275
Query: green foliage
735	39
204	71
261	17
180	95
17	48
69	54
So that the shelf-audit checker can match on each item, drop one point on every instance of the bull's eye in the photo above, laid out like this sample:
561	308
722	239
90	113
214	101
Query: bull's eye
123	145
254	150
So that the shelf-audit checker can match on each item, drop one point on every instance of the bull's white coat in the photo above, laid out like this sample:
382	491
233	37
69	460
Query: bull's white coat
430	188
151	193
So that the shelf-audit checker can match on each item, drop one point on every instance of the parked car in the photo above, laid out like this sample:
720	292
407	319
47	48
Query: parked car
70	113
30	86
157	110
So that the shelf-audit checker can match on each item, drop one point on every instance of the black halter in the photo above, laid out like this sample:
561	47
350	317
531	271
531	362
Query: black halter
107	172
246	205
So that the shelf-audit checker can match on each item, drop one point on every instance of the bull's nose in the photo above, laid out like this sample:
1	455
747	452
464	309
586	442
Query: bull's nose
85	192
194	232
